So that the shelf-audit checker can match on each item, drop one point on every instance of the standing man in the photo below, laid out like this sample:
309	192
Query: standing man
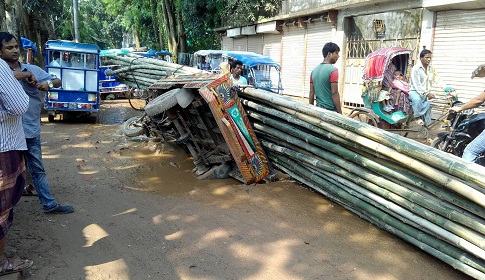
236	69
324	80
423	76
13	103
33	79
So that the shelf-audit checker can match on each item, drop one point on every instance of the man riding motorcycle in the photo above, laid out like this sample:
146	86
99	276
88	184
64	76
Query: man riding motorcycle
477	146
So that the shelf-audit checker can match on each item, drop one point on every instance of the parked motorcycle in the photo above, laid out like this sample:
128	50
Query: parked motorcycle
463	127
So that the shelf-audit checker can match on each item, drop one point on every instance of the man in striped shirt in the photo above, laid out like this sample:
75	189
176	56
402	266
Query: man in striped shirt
33	80
13	103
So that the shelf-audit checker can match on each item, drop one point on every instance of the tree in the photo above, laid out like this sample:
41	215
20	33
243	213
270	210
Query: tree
99	27
200	18
240	12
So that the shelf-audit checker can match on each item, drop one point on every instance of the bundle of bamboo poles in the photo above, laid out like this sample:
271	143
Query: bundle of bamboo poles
142	72
431	199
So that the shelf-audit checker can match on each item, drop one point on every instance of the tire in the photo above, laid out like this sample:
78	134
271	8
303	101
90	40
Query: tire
137	101
51	118
162	103
133	127
364	117
437	144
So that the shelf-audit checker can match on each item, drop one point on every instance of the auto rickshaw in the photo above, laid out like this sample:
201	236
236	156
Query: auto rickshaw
208	60
77	65
260	70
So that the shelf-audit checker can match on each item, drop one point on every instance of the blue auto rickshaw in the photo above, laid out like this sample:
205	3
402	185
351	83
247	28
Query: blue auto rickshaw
77	65
260	70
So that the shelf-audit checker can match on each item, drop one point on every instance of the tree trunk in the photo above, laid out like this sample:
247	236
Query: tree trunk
161	32
181	33
26	26
48	23
3	16
11	17
155	25
168	9
137	39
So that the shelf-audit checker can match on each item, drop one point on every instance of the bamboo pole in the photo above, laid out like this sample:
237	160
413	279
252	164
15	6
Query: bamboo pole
361	160
452	232
411	163
434	157
330	154
142	60
440	249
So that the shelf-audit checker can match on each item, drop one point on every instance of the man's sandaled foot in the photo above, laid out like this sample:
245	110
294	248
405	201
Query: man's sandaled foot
14	265
60	209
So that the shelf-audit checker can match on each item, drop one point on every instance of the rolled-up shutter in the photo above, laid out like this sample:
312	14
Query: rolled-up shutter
458	48
292	64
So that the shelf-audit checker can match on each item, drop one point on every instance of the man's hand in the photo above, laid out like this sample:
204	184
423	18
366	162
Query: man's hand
455	109
32	80
43	86
430	96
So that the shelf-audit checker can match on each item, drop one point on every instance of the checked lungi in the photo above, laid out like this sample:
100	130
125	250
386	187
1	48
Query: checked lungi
12	183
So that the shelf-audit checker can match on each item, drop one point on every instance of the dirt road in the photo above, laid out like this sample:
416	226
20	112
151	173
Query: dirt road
141	214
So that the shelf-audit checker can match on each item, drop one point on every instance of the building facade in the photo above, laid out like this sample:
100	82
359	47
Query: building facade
452	29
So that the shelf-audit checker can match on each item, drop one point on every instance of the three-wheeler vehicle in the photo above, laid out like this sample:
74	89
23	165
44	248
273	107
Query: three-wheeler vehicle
208	60
373	113
260	70
77	65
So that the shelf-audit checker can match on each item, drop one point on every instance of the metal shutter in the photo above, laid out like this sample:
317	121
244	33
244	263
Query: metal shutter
227	43
292	64
458	49
241	44
318	34
255	43
272	46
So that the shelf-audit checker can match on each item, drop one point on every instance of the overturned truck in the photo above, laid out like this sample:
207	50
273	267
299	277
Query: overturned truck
201	112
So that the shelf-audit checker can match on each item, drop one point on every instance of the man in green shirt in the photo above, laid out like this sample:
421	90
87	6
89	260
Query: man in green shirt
324	80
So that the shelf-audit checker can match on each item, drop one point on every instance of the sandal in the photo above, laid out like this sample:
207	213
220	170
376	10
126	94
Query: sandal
29	190
14	265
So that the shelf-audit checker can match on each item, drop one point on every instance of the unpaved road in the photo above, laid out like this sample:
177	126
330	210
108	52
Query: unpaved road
141	214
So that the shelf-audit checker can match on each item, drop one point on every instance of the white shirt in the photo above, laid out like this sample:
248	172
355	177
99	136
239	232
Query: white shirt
240	81
422	82
14	102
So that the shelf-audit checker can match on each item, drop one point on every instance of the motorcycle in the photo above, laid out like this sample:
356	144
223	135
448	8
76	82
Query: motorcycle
462	128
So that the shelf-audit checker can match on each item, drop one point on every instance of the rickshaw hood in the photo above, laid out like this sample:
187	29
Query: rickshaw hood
376	62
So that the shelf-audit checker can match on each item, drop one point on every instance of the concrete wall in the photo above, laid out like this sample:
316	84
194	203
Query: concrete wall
293	6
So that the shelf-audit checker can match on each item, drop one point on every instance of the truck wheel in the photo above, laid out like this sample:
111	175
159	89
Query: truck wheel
133	127
50	117
162	103
437	144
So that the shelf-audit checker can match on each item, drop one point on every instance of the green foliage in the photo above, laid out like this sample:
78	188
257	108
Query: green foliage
240	12
99	27
200	18
104	21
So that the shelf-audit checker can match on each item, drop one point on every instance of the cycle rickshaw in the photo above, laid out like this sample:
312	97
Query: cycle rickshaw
373	113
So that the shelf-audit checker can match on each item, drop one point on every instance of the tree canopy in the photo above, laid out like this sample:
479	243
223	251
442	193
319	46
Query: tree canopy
176	25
